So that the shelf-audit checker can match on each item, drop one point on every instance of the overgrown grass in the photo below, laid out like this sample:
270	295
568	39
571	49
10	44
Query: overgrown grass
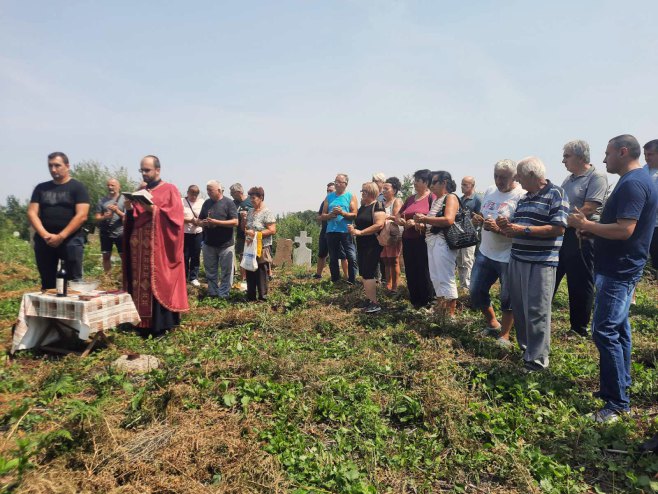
305	394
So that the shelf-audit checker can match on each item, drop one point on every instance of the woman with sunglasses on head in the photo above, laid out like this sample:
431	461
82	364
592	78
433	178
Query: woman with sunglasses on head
261	220
441	258
370	219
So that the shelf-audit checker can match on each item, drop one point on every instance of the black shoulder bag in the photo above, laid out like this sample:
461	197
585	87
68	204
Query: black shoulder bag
461	233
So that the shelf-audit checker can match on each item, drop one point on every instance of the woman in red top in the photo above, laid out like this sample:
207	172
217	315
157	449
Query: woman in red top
414	250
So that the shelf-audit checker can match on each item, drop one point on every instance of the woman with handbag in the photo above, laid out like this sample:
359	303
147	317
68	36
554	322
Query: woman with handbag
369	221
391	251
441	258
261	222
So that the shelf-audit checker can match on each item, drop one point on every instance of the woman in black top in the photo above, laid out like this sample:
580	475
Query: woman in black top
369	221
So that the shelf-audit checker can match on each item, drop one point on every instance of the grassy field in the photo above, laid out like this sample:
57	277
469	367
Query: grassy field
304	394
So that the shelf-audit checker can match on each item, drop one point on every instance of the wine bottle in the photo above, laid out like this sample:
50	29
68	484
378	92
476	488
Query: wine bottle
61	280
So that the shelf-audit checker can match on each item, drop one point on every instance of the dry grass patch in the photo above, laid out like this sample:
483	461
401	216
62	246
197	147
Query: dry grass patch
195	451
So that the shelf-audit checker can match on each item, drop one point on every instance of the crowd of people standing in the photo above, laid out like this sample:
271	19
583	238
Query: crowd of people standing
533	233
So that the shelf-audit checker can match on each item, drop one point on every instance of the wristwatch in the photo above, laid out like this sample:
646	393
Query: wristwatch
526	231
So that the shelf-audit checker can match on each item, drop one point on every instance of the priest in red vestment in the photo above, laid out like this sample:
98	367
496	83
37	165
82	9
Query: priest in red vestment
154	270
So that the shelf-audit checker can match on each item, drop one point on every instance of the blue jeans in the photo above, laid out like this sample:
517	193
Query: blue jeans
611	332
335	241
215	259
485	273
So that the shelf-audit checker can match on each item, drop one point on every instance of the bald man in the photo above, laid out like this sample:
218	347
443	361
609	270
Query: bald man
466	257
109	217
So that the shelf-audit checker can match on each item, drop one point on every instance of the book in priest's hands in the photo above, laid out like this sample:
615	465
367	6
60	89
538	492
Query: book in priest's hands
143	196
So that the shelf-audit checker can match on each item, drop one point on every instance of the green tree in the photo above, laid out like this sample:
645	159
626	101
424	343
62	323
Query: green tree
14	217
407	187
94	176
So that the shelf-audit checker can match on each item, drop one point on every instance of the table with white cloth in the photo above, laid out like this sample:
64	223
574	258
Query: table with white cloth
45	318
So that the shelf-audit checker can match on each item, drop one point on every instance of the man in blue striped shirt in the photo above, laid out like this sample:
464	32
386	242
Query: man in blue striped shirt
536	229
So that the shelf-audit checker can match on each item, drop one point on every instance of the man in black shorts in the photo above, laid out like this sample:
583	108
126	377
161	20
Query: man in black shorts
323	248
57	210
109	216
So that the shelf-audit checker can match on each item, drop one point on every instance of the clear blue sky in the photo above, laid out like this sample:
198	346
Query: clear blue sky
284	94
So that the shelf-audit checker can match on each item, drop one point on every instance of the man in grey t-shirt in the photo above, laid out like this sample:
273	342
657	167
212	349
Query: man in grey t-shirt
586	188
109	216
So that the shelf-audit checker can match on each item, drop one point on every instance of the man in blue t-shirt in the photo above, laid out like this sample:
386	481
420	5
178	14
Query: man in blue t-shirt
621	245
651	156
339	210
323	247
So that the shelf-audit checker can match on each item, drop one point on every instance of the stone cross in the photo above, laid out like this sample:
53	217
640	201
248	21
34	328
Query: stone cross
301	256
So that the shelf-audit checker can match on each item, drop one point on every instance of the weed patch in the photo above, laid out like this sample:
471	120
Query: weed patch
306	394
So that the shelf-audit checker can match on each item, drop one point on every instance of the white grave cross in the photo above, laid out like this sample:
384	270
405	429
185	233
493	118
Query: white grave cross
301	256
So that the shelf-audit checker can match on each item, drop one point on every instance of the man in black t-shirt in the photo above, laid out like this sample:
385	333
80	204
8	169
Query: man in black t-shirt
218	218
57	210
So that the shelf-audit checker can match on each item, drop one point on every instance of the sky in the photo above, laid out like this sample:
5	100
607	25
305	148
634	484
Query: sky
285	94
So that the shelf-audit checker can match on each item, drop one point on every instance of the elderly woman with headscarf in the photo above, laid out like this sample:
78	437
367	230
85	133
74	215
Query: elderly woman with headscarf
260	222
441	258
369	221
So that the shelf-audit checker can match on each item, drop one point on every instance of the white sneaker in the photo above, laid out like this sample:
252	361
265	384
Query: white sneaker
195	283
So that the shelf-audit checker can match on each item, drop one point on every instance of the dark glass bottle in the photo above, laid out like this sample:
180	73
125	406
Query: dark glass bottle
61	280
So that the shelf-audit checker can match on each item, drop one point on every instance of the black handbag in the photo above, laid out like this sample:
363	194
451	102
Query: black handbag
461	233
